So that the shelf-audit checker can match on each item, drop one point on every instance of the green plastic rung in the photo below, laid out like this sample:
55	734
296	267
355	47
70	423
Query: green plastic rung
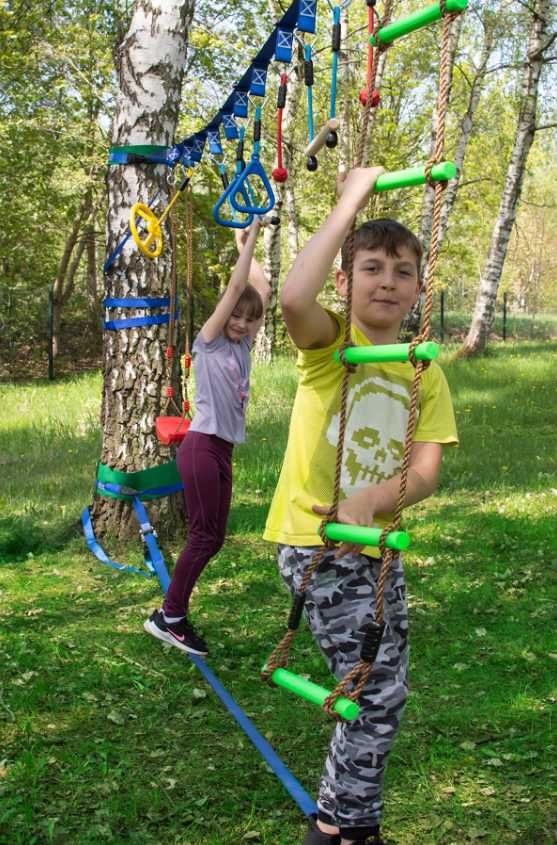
361	535
309	691
385	352
441	172
417	20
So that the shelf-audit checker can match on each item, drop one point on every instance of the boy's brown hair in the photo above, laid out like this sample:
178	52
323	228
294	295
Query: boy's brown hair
386	234
250	302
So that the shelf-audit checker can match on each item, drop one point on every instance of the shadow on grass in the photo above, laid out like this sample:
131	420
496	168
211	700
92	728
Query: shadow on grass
21	537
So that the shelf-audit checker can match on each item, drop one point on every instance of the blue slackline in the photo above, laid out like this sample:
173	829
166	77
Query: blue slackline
306	804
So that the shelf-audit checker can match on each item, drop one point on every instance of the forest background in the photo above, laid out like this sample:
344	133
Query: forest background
85	718
58	90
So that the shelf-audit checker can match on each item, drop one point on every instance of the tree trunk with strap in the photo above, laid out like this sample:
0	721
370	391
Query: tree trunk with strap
150	62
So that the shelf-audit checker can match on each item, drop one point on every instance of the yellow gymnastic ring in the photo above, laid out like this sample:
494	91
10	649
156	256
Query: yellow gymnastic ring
151	246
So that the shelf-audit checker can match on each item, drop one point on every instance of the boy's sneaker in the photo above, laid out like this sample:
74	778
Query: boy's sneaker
314	836
181	634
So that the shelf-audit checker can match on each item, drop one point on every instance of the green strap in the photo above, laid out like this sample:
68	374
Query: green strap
164	475
140	149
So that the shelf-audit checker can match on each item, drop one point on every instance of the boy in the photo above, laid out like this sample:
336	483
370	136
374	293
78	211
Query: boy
340	597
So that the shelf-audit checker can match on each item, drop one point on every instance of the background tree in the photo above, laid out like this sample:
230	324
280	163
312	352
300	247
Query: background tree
540	39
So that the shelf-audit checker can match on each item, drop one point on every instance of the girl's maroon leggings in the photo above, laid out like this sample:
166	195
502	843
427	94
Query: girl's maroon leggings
205	465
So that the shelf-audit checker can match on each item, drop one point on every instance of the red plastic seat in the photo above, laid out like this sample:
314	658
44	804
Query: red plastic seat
171	429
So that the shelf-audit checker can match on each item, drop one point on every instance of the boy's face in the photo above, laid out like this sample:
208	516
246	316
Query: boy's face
384	287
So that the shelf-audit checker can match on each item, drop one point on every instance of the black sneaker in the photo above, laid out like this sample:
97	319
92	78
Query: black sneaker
315	836
180	634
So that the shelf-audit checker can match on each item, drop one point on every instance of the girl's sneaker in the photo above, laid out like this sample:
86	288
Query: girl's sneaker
181	634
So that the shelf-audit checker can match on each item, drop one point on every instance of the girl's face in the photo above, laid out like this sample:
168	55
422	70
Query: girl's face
239	325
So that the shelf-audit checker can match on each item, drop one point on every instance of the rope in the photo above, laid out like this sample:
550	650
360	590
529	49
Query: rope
169	352
279	657
359	675
352	685
189	298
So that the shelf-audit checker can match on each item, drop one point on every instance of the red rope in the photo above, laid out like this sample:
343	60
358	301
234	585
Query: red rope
372	27
280	174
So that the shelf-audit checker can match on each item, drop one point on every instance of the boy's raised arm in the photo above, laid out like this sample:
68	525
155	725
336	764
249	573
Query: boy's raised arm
309	325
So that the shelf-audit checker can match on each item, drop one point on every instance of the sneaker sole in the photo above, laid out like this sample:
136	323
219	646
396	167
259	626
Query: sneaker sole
155	631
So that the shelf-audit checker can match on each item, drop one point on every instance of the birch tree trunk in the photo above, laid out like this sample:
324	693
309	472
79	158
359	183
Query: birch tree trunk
63	283
484	311
92	276
467	122
150	63
265	340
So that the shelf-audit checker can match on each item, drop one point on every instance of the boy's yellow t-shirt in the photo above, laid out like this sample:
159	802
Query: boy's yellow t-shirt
377	415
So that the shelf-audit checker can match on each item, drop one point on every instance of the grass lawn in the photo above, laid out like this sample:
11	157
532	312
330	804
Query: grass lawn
107	736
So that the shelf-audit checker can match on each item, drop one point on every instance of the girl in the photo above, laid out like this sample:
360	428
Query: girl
221	354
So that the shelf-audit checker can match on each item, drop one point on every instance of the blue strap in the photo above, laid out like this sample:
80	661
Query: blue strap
334	68
148	536
137	302
153	558
296	790
130	494
96	548
134	322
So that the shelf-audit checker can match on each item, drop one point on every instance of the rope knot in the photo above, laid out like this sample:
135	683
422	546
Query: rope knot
351	368
331	517
445	13
381	544
420	338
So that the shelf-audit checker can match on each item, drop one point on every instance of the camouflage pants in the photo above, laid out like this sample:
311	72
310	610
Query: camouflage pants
339	601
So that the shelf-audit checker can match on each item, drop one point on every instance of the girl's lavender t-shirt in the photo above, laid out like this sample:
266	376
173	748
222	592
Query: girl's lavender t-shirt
222	371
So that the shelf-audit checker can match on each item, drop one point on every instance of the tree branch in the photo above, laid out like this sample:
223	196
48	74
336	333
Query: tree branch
474	181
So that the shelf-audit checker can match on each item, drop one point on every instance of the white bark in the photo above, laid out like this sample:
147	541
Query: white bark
150	63
484	311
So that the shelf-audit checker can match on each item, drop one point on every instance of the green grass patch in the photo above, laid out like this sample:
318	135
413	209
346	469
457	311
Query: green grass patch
106	736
